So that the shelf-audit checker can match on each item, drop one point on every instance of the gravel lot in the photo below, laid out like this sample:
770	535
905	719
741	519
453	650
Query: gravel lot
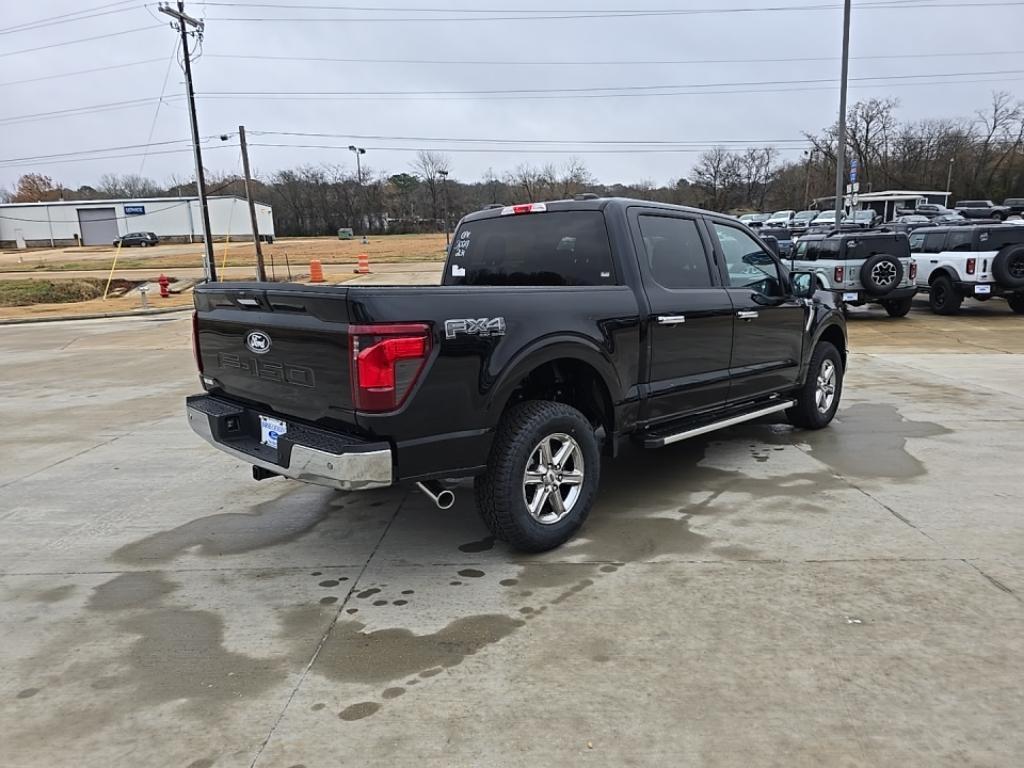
759	597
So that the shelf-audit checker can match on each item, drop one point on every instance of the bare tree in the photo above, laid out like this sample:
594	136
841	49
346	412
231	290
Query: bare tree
574	177
429	167
128	185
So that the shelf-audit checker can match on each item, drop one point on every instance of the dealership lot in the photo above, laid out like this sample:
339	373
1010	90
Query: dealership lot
758	596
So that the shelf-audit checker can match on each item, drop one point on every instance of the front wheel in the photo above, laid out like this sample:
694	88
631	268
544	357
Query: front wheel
1016	302
818	400
898	307
541	477
943	297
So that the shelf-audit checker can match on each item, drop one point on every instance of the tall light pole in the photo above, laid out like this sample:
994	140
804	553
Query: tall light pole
841	144
444	204
807	175
261	270
184	21
949	180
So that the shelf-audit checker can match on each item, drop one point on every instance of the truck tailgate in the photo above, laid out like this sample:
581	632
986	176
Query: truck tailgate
283	348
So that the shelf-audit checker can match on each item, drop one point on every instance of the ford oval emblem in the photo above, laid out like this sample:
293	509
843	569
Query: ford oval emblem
258	342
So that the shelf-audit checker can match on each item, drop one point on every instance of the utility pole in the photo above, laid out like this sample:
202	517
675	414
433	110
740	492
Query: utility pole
841	145
184	21
807	176
261	270
444	204
357	151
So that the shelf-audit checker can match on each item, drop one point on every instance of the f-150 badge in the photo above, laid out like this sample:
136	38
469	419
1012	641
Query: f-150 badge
484	326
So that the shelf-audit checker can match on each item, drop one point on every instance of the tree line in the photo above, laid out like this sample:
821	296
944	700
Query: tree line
981	156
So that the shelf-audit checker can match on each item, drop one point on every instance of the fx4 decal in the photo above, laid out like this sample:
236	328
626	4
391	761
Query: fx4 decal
484	326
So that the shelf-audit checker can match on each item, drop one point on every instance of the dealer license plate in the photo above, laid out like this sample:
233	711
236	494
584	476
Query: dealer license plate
982	289
850	296
270	430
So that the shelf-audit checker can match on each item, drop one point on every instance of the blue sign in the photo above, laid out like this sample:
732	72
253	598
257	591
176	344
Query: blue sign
134	210
853	170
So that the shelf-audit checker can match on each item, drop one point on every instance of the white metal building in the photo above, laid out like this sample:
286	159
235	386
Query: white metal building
100	222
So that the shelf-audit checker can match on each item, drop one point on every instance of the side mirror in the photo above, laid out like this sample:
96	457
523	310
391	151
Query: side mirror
802	284
772	242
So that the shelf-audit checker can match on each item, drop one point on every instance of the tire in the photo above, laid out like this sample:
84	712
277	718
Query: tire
826	366
880	274
502	491
144	244
943	297
898	307
1008	267
1016	302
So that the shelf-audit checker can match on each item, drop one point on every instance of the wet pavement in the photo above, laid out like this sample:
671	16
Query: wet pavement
759	596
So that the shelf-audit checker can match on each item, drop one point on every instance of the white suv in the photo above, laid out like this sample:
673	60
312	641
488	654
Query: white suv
979	261
860	267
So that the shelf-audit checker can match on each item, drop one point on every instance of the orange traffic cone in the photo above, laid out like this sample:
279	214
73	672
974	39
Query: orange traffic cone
316	271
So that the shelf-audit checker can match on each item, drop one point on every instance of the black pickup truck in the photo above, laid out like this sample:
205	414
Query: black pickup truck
559	330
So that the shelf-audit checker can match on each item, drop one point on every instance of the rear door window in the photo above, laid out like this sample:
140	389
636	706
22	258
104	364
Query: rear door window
675	252
559	248
933	242
959	241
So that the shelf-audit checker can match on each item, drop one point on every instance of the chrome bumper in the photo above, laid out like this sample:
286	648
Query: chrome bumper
344	470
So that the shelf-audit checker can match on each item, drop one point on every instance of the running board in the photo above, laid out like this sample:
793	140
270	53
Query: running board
657	440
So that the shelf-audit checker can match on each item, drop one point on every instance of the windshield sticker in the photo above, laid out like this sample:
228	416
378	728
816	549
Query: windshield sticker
458	271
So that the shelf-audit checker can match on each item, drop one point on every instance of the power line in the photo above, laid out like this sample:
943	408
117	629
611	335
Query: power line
95	151
572	15
601	62
115	156
512	151
598	89
66	17
625	142
80	72
159	101
81	40
74	111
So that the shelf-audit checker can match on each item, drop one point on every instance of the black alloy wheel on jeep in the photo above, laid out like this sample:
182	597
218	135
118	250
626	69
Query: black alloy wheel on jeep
880	274
943	297
1008	267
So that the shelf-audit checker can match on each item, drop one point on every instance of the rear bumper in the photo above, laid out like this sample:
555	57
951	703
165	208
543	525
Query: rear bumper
304	453
864	297
982	289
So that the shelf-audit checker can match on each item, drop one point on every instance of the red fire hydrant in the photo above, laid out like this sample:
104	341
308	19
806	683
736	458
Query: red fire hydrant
165	289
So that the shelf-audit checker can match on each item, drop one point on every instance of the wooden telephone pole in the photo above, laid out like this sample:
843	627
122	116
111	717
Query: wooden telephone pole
261	270
182	22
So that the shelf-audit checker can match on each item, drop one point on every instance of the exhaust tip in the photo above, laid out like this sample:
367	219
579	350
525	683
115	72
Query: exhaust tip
442	497
445	500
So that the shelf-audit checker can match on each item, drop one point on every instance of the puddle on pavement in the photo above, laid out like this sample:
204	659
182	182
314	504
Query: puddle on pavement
353	655
130	590
55	595
180	654
273	522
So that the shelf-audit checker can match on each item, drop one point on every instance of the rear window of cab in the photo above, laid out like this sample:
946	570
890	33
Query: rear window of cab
555	248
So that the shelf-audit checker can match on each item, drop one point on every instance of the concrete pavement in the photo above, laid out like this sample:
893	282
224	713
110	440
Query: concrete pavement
760	597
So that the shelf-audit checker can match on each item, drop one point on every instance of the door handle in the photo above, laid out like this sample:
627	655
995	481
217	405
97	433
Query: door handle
671	319
747	314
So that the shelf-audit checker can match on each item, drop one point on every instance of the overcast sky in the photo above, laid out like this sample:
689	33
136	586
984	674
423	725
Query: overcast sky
768	108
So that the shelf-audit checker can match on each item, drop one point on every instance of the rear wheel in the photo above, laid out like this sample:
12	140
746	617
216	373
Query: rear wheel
818	399
943	298
898	307
541	477
1016	302
144	244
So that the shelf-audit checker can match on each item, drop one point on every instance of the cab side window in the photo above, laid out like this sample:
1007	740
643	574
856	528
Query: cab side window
675	252
748	264
916	241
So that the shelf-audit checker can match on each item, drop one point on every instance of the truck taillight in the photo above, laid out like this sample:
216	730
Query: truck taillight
972	266
913	271
838	274
386	360
510	210
195	342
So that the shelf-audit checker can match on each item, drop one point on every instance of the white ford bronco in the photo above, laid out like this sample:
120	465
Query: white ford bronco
860	267
979	261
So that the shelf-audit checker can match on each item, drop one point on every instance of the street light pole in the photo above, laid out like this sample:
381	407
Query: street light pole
184	21
841	143
444	205
949	180
807	176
